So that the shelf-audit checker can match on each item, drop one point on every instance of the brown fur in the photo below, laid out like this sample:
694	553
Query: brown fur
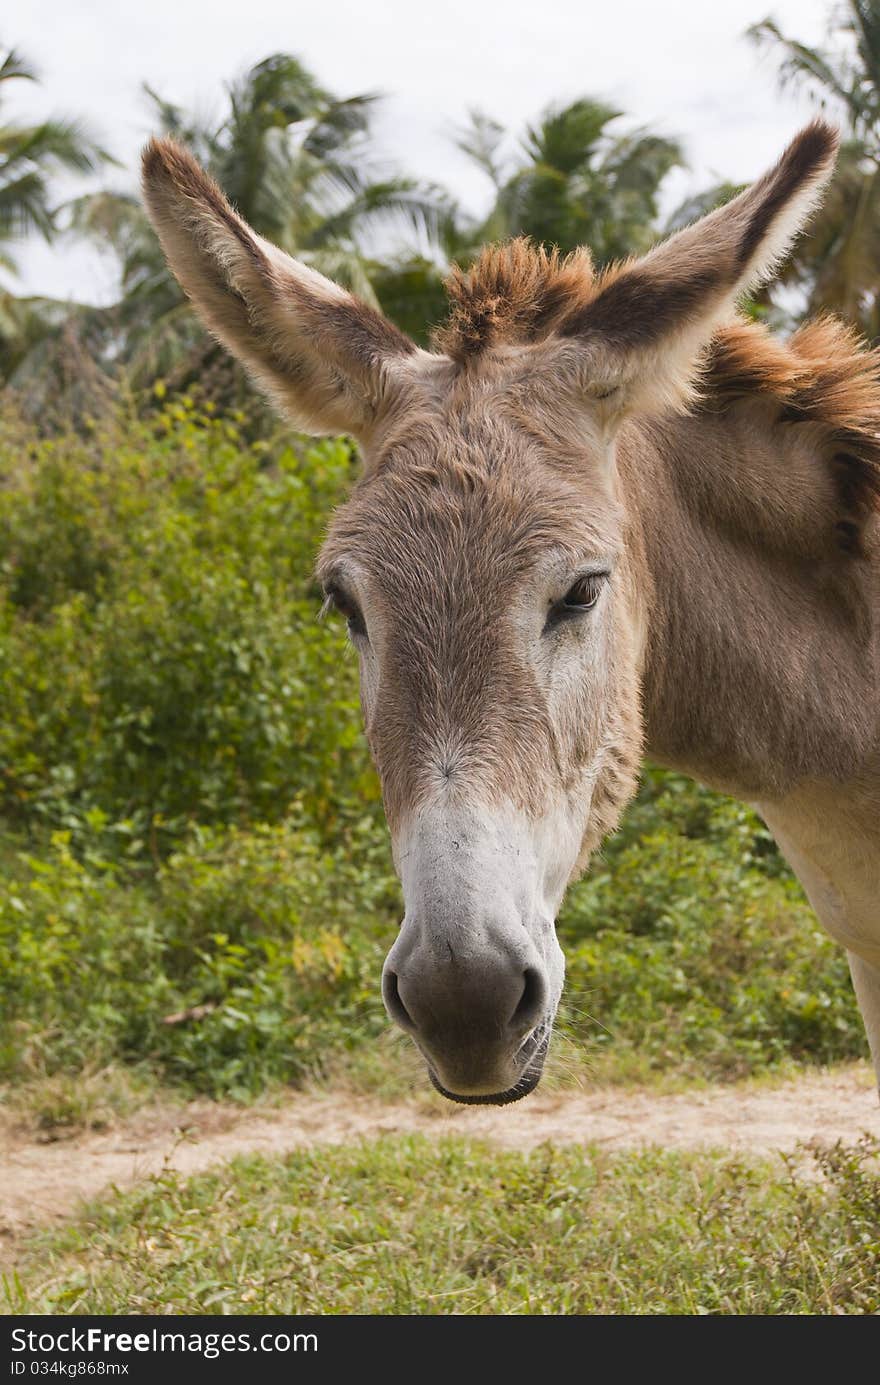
823	375
513	293
762	659
312	346
812	149
455	543
517	294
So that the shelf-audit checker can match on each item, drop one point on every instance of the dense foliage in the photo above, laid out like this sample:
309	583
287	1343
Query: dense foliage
162	660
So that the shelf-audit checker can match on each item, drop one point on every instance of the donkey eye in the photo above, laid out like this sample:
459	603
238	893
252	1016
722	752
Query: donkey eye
584	593
337	599
581	596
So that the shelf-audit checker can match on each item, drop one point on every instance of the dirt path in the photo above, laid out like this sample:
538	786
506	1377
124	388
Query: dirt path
40	1183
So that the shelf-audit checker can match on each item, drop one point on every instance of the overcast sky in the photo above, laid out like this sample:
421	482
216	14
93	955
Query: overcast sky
680	66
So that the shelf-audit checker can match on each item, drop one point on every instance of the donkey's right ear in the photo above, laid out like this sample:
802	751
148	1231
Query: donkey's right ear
326	358
642	326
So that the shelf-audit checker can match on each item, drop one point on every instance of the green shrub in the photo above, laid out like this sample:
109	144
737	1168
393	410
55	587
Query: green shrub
690	945
251	956
283	943
160	658
80	965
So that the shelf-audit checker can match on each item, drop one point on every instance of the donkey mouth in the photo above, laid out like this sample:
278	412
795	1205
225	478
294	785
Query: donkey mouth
531	1054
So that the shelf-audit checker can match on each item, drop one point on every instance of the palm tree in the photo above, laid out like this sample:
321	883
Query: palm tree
839	263
574	181
297	163
31	156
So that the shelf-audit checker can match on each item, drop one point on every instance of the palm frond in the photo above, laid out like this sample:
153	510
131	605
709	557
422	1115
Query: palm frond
822	74
566	137
23	206
15	67
837	264
395	201
341	123
481	139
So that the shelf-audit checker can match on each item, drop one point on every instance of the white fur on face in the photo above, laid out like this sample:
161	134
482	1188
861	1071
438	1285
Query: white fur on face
488	870
481	887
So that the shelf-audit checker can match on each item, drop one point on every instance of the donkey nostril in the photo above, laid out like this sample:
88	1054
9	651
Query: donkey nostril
393	1003
533	1001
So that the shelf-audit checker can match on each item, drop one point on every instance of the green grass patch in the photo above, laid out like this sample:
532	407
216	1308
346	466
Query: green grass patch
424	1226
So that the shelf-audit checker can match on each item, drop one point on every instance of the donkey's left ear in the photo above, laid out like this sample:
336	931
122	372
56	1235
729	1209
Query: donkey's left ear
326	358
642	329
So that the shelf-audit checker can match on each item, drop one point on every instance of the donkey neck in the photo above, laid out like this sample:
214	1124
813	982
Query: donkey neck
760	666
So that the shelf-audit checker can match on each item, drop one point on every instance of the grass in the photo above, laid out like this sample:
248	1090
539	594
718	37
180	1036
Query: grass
62	1106
418	1226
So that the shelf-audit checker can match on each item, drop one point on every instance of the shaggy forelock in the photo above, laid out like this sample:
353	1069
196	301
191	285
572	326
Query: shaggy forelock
513	293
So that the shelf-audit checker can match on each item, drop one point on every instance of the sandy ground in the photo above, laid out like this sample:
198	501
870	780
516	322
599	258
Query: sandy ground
41	1183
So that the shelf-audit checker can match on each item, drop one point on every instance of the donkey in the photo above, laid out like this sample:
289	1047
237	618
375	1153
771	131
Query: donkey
605	516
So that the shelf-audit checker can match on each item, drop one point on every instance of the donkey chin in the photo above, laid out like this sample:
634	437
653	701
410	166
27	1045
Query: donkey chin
526	1064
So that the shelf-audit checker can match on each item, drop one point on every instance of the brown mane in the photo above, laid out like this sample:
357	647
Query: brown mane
823	374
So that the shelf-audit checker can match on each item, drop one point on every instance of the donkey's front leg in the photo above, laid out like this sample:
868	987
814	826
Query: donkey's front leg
866	980
836	861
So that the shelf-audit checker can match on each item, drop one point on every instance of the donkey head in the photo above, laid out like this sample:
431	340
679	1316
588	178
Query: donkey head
488	570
